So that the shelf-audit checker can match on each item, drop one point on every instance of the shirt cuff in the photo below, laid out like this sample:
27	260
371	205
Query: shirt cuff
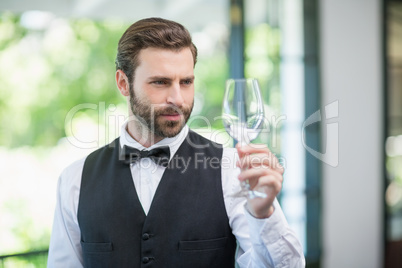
266	231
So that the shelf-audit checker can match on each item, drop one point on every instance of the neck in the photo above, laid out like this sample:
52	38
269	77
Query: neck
142	134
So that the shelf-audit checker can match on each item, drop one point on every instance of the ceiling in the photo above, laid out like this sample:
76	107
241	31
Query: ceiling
194	14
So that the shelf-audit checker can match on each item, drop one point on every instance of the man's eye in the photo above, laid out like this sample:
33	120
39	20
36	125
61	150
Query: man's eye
159	82
187	82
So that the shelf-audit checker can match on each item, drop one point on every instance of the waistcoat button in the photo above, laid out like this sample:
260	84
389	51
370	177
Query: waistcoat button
145	260
145	236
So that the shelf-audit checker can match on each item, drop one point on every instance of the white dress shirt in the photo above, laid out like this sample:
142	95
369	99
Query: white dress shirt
262	242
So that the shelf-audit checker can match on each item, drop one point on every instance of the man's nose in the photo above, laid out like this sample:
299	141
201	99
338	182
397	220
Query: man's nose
175	95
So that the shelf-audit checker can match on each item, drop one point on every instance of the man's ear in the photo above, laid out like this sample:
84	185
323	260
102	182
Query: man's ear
122	83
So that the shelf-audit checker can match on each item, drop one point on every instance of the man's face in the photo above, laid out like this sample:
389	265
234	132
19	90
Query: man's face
162	93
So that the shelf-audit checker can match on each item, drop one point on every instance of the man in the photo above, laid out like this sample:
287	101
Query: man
170	203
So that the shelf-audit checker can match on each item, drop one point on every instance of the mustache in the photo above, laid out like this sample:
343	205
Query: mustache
171	109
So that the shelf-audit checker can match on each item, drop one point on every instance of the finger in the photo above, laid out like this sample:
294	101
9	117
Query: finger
271	181
270	184
260	159
254	175
240	151
252	149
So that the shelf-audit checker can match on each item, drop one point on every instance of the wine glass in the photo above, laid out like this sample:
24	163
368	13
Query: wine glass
243	118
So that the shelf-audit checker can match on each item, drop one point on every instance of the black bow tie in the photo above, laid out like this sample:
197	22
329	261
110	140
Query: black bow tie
160	155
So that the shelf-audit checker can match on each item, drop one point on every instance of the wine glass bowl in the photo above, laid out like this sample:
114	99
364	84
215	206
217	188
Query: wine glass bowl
243	117
243	110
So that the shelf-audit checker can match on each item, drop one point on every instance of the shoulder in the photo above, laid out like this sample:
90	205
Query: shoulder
70	178
100	157
198	141
74	170
71	175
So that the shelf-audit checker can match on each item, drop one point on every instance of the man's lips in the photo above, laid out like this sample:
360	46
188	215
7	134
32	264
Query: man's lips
171	116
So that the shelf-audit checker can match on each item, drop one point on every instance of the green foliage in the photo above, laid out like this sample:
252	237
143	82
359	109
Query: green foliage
45	73
263	62
211	74
31	261
31	236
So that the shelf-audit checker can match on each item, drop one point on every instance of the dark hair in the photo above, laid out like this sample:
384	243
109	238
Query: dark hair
151	32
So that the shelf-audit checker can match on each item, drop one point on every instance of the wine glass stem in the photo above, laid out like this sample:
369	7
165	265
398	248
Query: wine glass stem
246	185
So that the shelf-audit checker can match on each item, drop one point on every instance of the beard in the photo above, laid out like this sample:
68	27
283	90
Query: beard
150	116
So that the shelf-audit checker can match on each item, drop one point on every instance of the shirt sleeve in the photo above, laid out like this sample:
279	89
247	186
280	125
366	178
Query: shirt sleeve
262	242
65	248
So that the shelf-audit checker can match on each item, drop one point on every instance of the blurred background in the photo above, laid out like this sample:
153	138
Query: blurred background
330	72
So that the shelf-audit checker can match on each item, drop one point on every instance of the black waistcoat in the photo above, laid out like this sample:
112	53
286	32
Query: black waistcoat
186	226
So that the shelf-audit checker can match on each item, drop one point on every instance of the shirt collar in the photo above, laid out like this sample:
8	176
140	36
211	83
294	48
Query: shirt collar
173	143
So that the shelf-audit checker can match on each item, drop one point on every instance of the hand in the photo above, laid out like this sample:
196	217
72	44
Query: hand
261	167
